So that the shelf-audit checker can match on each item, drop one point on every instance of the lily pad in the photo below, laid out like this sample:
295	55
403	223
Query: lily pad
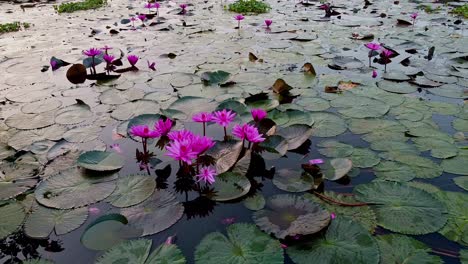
145	119
107	231
217	77
293	181
230	186
404	249
422	167
255	203
189	105
364	158
42	221
71	188
462	182
226	154
450	90
31	121
327	125
336	169
138	252
100	161
12	218
73	114
460	125
295	135
394	87
456	228
403	209
290	215
157	213
360	106
439	148
244	244
394	171
361	214
132	190
335	149
344	240
456	165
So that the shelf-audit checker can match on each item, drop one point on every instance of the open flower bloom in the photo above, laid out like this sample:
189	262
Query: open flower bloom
180	135
143	131
133	18
268	22
148	5
325	7
316	161
200	144
248	132
183	6
106	48
373	46
414	15
156	5
207	175
202	117
224	117
163	127
386	53
239	17
108	58
132	59
258	114
374	74
142	17
182	151
92	52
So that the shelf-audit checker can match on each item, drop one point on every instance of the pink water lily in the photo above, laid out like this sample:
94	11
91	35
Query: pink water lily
143	131
385	57
149	6
163	127
183	7
247	132
181	151
268	22
108	58
316	161
207	175
54	65
106	48
228	220
387	53
224	118
203	117
258	114
414	15
374	74
152	65
200	144
332	216
92	52
180	135
132	59
94	210
239	18
156	5
373	46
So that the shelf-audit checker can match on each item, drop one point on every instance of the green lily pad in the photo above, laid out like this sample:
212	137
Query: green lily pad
394	171
456	165
226	154
364	158
336	169
31	121
131	190
73	114
293	181
230	186
100	161
394	87
190	105
71	188
443	108
297	117
422	167
363	126
157	213
361	214
439	148
449	90
427	132
403	209
16	178
280	118
344	241
232	105
255	203
267	104
138	252
456	228
360	106
313	104
244	244
403	249
82	134
327	125
462	182
12	218
217	77
295	135
42	221
460	125
335	149
129	110
290	215
107	231
394	146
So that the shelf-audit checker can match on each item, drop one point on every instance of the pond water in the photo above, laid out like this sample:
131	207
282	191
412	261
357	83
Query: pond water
394	146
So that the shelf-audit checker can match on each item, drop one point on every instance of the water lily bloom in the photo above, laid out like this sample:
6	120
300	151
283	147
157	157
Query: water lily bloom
202	117
54	65
414	15
248	132
373	46
152	65
316	161
181	151
143	131
200	144
183	6
92	52
239	18
132	59
149	6
156	5
387	53
108	58
385	57
258	114
224	117
374	74
268	22
324	6
180	135
332	216
163	127
142	17
207	175
133	19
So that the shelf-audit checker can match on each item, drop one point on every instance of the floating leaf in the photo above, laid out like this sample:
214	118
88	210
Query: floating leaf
327	125
393	171
31	121
107	231
132	190
403	249
217	77
460	125
439	148
100	161
230	186
255	203
364	158
335	149
226	154
145	119
361	214
290	215
344	240
42	221
456	165
456	228
336	169
73	114
131	109
422	167
360	106
244	243
462	182
295	135
71	188
403	209
12	218
157	213
397	87
293	181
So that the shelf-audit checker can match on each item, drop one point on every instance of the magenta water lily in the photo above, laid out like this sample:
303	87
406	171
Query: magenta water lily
374	74
207	175
239	18
132	59
373	48
413	17
268	22
258	114
184	8
93	52
204	118
224	118
385	58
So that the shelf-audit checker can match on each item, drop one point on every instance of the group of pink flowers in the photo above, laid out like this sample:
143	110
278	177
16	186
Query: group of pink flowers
241	17
385	54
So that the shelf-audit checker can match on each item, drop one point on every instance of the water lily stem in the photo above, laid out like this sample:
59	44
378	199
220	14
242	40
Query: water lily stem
225	133
328	199
369	61
204	129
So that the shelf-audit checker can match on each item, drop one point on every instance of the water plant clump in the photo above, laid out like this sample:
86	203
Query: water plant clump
461	11
78	6
249	6
13	26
